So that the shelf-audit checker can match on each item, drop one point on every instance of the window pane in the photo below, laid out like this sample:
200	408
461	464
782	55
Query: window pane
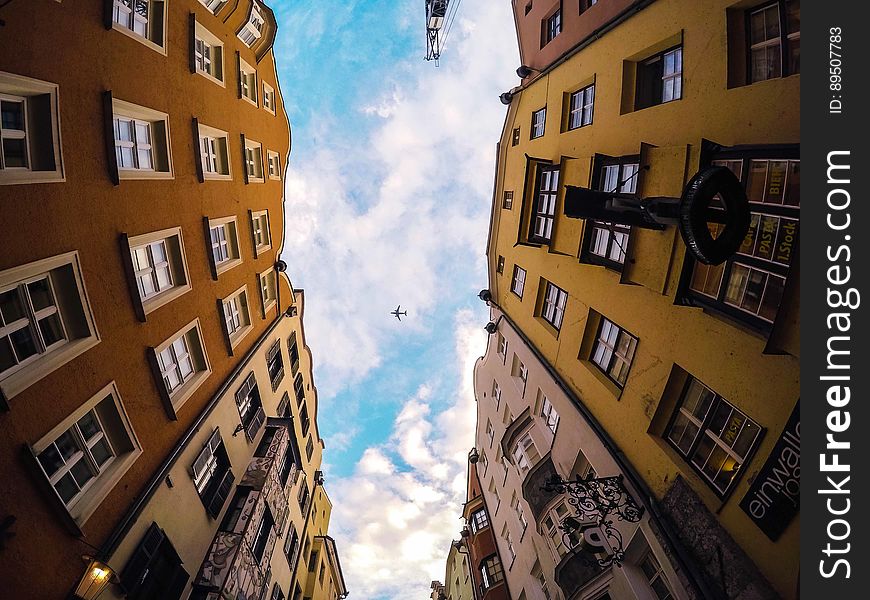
51	330
67	488
40	294
23	343
11	308
66	445
736	284
81	472
15	152
50	460
88	426
7	358
101	452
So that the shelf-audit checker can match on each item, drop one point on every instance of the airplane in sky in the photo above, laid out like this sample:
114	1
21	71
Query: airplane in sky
397	314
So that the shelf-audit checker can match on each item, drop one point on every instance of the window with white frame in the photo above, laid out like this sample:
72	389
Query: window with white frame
260	231
213	6
539	121
143	20
656	578
253	161
250	406
274	161
608	242
519	372
659	78
553	307
159	267
518	281
502	347
492	571
517	506
30	149
582	468
141	141
182	363
252	30
237	315
247	82
551	525
45	320
544	209
490	432
613	351
478	520
580	107
208	54
86	455
212	475
713	435
269	97
511	551
224	240
214	152
547	412
275	364
268	289
526	453
774	50
496	393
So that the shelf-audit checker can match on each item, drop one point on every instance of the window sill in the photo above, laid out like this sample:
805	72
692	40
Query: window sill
269	110
268	306
183	394
144	41
638	109
275	177
253	103
549	327
15	177
606	381
225	266
238	336
255	179
132	174
19	381
261	249
212	78
152	304
217	176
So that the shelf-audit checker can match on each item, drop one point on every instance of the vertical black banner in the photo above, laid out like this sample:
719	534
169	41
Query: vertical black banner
834	265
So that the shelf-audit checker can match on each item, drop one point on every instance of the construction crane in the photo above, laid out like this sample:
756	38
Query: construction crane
436	16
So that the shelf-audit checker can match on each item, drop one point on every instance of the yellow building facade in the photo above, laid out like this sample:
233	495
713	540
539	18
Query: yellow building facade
691	370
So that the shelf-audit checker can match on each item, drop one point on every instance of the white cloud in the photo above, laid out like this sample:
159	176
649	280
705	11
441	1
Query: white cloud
376	221
394	518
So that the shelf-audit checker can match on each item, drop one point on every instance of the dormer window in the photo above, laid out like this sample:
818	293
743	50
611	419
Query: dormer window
253	29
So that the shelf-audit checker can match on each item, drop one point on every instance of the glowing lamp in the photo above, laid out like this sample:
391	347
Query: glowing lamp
96	579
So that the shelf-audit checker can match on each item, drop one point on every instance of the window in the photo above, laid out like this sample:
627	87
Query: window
582	468
613	351
159	267
224	238
182	365
260	231
586	5
304	420
656	577
309	449
253	161
214	152
291	546
538	576
45	320
499	268
289	462
496	393
143	20
520	374
86	455
299	389
303	496
552	527
659	79
212	475
30	150
214	5
546	190
268	289
749	286
490	432
508	201
250	407
547	412
269	98
492	572
580	107
478	520
154	570
713	436
274	161
502	347
232	520
608	242
261	538
506	536
518	282
277	594
252	30
247	82
141	141
526	453
237	315
517	506
769	57
515	137
208	54
553	307
539	119
275	364
293	353
552	26
484	462
266	442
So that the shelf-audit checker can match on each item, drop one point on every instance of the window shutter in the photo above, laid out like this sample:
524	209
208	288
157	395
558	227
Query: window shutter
136	568
221	494
197	145
192	37
255	424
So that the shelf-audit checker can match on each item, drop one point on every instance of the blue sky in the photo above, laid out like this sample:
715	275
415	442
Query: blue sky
387	201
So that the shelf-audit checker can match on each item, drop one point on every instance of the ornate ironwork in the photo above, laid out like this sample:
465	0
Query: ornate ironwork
599	503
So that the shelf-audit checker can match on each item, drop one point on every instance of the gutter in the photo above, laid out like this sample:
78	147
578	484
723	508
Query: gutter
685	561
123	528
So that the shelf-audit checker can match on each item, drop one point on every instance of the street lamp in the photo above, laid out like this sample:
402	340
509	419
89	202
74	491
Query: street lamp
97	577
599	503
